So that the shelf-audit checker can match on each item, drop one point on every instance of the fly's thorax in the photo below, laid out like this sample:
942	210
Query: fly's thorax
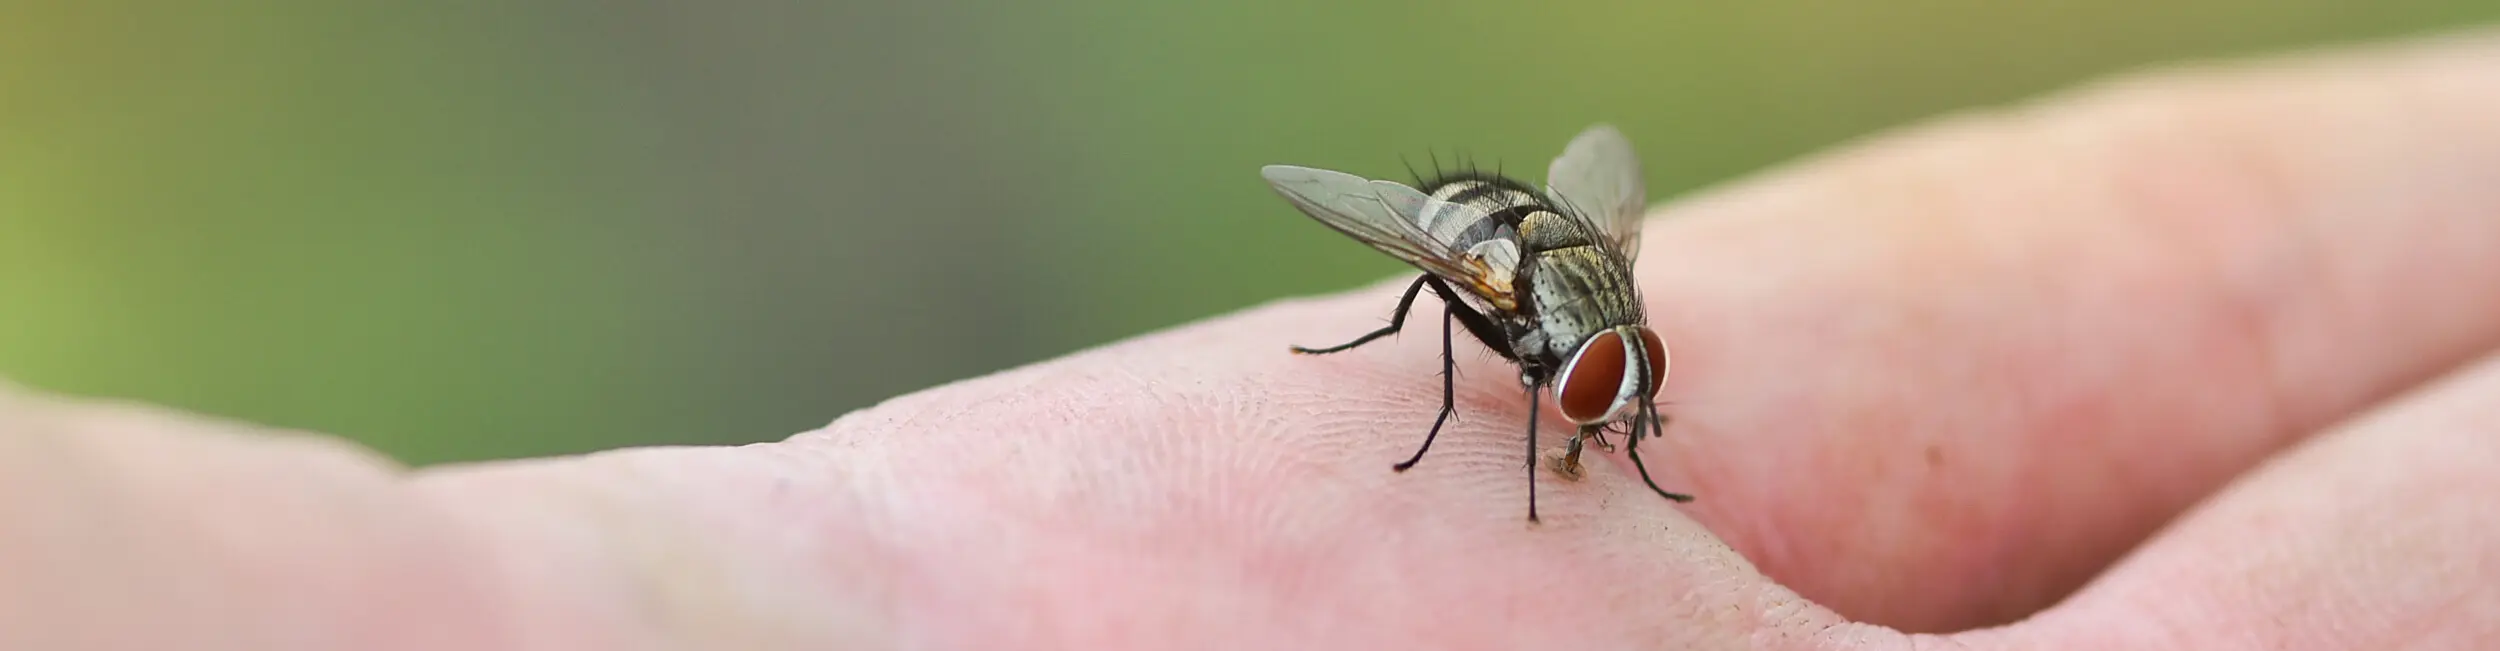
1576	293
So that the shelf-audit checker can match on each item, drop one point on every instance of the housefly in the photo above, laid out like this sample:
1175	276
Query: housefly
1542	276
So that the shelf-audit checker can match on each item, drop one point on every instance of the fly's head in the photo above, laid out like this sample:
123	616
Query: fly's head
1611	372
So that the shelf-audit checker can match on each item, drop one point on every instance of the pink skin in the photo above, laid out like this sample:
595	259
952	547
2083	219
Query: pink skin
1937	381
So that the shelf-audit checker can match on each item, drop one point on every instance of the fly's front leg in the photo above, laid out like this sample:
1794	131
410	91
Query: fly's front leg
1632	446
1597	434
1567	462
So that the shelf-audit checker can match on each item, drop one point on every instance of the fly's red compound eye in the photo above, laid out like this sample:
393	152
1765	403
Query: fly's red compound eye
1592	379
1657	360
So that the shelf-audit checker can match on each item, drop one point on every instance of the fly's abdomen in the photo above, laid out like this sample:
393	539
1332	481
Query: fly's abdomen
1478	210
1546	230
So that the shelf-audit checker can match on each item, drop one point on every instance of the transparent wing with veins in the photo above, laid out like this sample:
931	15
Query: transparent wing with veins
1392	218
1599	177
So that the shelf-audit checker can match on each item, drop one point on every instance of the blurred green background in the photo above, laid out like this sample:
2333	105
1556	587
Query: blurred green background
472	230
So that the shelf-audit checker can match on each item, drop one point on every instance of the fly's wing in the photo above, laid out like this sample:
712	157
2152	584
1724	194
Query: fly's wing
1598	176
1385	214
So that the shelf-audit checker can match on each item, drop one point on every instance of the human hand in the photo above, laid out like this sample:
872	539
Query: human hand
1932	382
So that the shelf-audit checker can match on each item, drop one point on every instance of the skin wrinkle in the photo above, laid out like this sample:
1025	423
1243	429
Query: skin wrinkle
554	519
733	597
1925	642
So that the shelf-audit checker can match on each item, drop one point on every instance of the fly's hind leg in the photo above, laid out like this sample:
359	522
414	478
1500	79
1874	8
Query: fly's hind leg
1397	319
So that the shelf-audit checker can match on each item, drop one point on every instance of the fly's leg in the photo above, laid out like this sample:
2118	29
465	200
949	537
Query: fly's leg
1598	433
1633	445
1397	319
1532	406
1449	384
1567	462
1484	330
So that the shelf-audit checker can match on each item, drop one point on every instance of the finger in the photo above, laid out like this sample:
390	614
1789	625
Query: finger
2085	317
1195	486
1939	380
128	528
2377	536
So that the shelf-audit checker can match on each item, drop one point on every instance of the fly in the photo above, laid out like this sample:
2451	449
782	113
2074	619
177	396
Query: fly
1541	276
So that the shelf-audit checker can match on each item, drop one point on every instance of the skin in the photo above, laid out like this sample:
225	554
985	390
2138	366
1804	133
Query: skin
2202	359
